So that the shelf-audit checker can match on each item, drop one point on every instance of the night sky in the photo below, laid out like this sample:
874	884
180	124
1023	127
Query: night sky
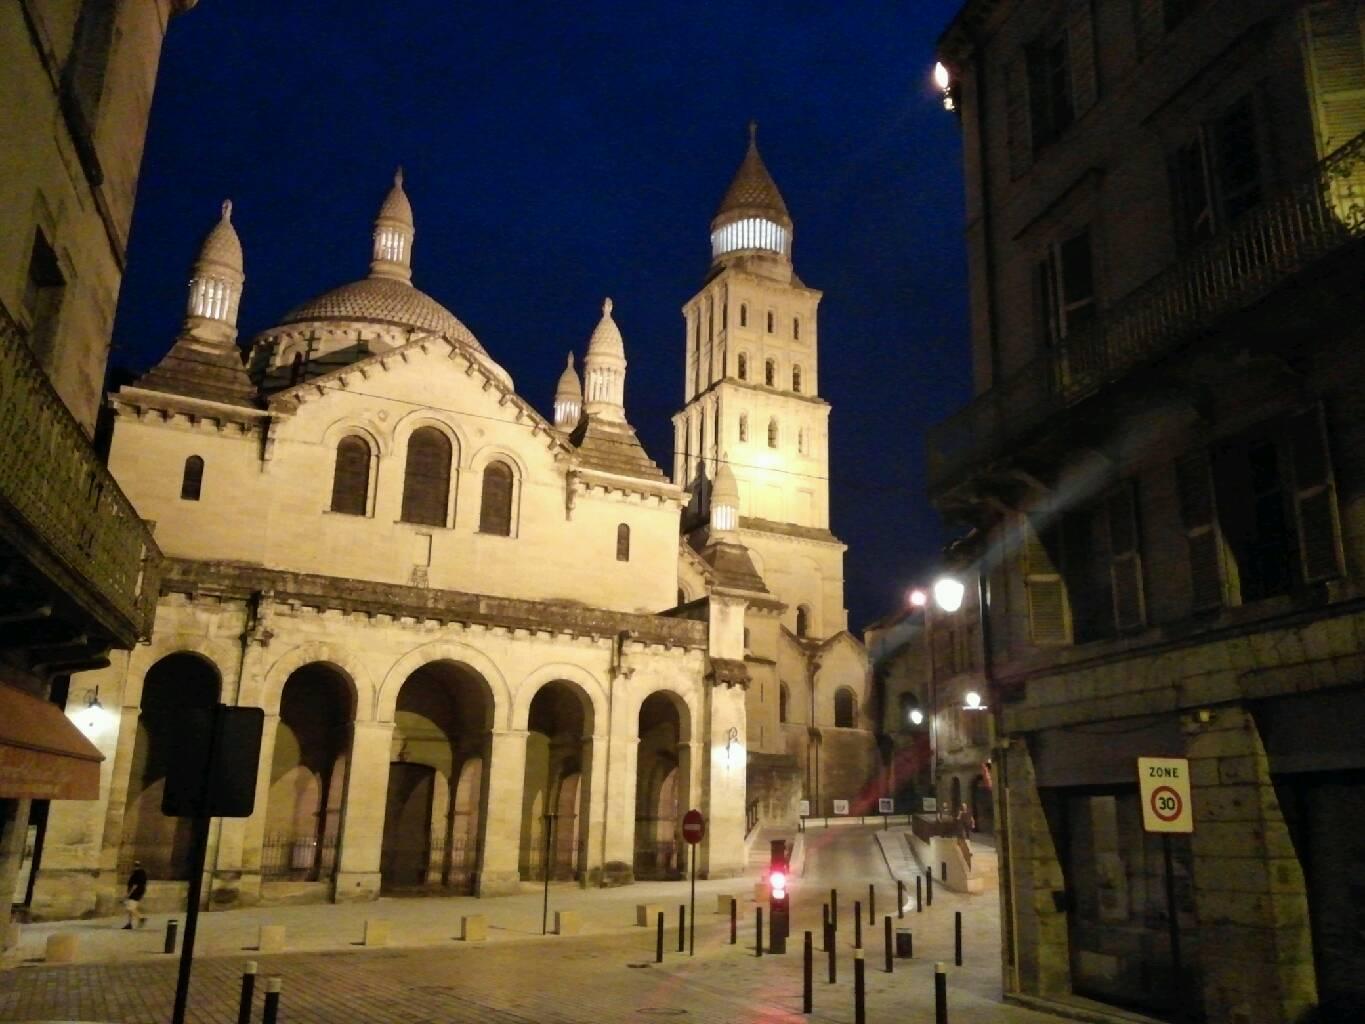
555	154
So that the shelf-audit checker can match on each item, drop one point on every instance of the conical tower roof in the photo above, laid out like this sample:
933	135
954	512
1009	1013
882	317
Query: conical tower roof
570	386
222	249
752	193
606	337
725	491
396	206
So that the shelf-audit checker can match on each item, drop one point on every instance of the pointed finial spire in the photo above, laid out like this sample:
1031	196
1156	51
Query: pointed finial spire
724	497
227	211
398	176
393	233
753	132
568	397
604	368
216	281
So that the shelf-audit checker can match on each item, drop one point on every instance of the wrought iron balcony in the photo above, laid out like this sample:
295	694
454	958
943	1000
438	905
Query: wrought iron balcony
64	518
1312	219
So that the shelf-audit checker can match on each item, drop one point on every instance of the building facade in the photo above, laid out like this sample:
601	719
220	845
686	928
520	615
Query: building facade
1166	204
77	564
485	646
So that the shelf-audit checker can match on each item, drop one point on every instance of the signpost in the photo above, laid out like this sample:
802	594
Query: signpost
1164	786
693	830
840	806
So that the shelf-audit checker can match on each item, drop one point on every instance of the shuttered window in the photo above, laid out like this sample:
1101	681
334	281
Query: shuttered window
1204	544
772	433
1048	612
743	367
192	479
1125	559
1336	59
845	708
623	543
744	426
770	373
796	379
495	508
83	78
351	477
1315	499
426	478
1065	288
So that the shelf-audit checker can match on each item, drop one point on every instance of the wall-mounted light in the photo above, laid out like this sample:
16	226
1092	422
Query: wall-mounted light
916	716
94	710
944	81
973	701
918	598
948	593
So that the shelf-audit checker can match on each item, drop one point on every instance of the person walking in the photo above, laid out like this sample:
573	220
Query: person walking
137	888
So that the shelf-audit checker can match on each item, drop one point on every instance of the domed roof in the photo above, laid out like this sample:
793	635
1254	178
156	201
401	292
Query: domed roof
752	193
221	245
385	301
725	490
396	206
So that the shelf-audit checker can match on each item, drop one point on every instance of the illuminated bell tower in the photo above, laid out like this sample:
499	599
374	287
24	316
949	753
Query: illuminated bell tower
751	390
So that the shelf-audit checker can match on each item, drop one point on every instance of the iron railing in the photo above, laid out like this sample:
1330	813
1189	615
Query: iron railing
301	858
1311	219
750	817
63	498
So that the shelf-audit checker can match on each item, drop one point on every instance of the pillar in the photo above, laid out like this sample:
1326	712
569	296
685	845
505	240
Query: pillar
504	781
720	757
362	812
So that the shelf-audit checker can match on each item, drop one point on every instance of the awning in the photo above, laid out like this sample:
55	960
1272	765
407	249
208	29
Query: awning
43	756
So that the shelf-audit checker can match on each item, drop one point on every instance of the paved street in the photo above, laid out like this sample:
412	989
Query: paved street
607	974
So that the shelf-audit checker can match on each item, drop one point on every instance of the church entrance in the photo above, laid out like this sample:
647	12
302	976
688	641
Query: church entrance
434	812
558	753
661	791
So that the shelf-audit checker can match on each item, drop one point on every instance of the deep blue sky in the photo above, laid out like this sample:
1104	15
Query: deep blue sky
557	153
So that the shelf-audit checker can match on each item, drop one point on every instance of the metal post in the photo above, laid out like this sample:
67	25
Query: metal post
929	888
890	943
545	870
957	937
1172	917
857	923
734	923
659	941
940	994
859	996
829	948
199	852
248	990
943	871
871	904
824	925
900	898
273	984
692	931
919	894
834	909
682	927
807	969
171	927
758	932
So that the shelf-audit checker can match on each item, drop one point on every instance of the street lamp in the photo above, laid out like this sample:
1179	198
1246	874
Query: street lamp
916	716
948	593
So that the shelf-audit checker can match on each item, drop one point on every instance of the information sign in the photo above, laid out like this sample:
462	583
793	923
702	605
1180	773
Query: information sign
1164	784
840	806
886	805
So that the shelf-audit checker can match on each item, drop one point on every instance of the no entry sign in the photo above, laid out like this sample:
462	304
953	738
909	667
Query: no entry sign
694	827
1164	783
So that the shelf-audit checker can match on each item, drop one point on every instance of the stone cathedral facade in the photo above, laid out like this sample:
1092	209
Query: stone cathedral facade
489	643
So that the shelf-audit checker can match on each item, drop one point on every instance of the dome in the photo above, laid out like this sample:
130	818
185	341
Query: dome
385	301
606	337
221	245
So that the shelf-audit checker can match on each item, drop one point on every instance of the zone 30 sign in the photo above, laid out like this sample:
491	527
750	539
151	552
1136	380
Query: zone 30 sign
1164	783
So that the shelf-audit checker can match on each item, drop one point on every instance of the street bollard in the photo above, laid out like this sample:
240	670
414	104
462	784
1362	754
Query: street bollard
900	898
829	948
943	871
682	927
172	926
929	888
834	909
857	923
940	994
871	904
859	995
905	944
248	990
734	921
273	984
919	894
659	941
807	970
886	938
824	926
957	938
758	932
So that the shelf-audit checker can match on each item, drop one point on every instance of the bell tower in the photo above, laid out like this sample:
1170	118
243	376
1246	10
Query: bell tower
752	391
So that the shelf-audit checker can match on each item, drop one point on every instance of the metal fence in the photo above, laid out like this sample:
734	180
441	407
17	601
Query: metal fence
298	858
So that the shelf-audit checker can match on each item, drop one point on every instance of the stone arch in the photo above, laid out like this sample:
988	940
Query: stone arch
332	434
386	697
681	699
491	452
218	654
404	426
663	769
559	748
593	691
340	658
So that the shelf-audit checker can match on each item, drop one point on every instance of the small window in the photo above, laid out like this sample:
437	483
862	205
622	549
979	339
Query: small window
192	480
744	426
1051	109
426	478
772	433
710	321
770	373
743	367
495	510
801	441
746	638
351	477
784	699
772	322
724	314
796	328
796	379
682	597
296	369
803	621
845	708
1065	286
43	292
623	543
744	314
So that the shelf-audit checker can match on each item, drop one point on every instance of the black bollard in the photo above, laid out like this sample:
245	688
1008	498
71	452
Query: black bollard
172	926
919	894
957	938
734	921
940	995
273	984
824	926
807	969
857	924
929	888
900	898
905	944
659	941
943	871
834	909
248	990
758	933
871	904
829	948
890	945
682	927
859	995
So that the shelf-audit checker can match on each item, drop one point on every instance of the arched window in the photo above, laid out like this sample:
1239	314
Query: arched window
784	699
682	597
743	361
623	543
802	621
772	433
296	368
796	328
770	372
845	708
192	480
351	477
495	511
796	379
426	478
772	321
744	314
744	426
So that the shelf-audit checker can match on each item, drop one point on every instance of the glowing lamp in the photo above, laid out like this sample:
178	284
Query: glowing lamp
941	77
973	699
918	598
778	881
948	593
916	716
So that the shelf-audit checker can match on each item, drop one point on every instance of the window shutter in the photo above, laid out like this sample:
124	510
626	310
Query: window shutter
1125	559
1151	25
1337	59
1194	481
351	478
426	480
1315	499
495	509
1048	613
1081	47
1017	117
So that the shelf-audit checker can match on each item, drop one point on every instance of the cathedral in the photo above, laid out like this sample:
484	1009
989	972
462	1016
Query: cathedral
490	644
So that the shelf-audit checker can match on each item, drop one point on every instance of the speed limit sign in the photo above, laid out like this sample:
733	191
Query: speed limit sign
1164	783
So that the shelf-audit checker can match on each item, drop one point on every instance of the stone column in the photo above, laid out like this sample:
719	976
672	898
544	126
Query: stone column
596	750
721	747
504	782
620	764
108	886
362	813
248	834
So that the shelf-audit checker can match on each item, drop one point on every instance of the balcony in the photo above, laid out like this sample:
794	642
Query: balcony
1314	218
78	567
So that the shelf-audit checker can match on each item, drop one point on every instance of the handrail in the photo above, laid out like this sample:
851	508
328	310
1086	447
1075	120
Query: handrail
54	485
750	817
1312	218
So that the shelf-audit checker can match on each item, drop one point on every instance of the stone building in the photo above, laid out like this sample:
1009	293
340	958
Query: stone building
77	565
1166	201
489	643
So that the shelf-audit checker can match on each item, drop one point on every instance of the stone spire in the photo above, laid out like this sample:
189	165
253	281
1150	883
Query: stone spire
393	233
604	368
568	398
216	283
752	216
724	500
